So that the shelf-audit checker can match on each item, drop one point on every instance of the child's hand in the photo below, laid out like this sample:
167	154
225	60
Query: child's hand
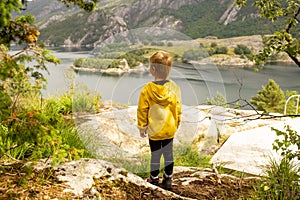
143	134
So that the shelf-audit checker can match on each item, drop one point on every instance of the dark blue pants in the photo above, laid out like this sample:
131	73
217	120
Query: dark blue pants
159	148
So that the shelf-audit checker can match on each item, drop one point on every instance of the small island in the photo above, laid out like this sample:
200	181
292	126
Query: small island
122	68
115	59
124	57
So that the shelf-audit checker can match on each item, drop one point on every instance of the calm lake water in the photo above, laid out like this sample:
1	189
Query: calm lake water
197	82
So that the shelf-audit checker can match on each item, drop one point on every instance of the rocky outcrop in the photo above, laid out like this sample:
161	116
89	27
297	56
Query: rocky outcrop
170	22
113	133
230	15
113	25
114	17
81	178
146	12
251	151
47	12
137	12
98	179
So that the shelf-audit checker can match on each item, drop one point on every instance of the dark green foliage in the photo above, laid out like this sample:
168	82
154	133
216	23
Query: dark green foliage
272	99
6	102
108	58
199	20
20	30
215	49
76	29
169	44
218	100
133	58
203	19
213	45
281	180
241	49
6	9
285	38
95	63
289	138
86	5
30	126
194	54
221	50
35	134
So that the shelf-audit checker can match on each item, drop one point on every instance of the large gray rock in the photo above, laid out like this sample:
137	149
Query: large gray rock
113	133
250	151
80	176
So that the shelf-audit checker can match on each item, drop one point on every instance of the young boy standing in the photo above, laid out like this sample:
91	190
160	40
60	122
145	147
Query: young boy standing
159	114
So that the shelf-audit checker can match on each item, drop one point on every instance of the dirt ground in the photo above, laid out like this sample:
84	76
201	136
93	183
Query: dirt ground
211	187
19	182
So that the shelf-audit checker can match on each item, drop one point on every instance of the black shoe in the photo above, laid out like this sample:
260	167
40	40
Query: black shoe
167	182
153	180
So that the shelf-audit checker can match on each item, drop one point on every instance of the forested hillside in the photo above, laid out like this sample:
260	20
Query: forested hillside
195	18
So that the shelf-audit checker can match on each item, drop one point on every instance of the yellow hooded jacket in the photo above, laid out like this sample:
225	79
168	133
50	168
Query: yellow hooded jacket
159	110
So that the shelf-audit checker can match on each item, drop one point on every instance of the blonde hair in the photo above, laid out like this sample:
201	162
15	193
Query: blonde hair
161	62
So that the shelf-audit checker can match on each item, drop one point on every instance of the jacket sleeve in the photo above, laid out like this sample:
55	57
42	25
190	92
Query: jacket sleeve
179	106
142	111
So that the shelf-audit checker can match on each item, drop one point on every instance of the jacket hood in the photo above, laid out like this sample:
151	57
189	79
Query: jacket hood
160	94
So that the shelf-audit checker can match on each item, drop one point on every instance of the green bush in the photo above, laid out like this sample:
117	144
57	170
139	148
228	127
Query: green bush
213	45
85	101
169	44
285	141
6	102
133	58
215	49
272	99
39	130
96	63
243	50
187	156
281	180
31	134
113	59
221	50
218	100
194	54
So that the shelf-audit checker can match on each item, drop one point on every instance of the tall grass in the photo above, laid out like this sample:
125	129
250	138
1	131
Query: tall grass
44	128
281	181
140	166
184	155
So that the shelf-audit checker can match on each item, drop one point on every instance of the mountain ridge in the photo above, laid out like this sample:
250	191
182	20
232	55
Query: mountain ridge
195	18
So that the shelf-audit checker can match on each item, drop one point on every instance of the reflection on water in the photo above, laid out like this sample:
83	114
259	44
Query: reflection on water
197	82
